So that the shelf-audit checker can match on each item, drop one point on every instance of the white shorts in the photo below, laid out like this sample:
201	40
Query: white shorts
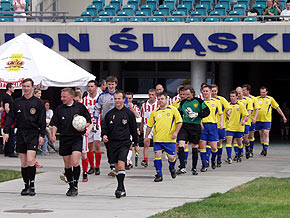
95	136
85	148
150	136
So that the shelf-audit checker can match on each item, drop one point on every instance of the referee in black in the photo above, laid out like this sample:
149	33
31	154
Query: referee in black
28	113
117	127
71	140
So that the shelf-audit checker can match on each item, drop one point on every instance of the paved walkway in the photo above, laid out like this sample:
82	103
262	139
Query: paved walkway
144	197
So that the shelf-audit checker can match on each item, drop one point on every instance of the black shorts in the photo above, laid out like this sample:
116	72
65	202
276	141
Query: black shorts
190	133
27	140
68	144
117	150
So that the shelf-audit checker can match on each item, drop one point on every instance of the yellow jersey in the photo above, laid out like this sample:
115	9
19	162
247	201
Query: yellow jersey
176	104
215	110
267	103
233	122
225	107
164	123
256	106
248	103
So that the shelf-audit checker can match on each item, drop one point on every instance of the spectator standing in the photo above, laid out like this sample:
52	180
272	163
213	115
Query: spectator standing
19	8
286	12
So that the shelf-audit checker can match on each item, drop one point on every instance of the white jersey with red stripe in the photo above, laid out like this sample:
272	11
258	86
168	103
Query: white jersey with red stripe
136	108
175	98
147	109
200	96
90	104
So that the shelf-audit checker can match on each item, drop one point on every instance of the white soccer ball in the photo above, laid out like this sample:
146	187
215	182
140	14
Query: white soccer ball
79	123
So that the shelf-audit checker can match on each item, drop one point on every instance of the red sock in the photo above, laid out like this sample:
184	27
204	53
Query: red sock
91	159
85	164
98	156
146	159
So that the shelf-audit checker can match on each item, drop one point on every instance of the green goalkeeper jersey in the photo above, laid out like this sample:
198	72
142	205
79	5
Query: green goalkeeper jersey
188	108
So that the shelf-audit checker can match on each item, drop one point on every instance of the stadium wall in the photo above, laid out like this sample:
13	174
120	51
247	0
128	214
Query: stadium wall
163	42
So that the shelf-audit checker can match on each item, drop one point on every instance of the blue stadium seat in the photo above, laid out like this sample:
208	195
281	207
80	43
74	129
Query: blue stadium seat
86	14
232	19
152	4
104	13
83	19
234	13
182	8
93	10
137	19
244	2
195	13
116	4
28	3
188	4
221	9
120	19
165	10
158	13
101	20
146	9
207	4
178	13
122	13
170	4
240	9
99	4
156	19
97	1
283	3
214	13
194	19
6	5
129	9
140	13
259	8
110	9
5	20
175	19
250	19
134	3
226	4
263	3
212	19
201	9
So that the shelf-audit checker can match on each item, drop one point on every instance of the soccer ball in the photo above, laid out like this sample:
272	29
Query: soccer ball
79	123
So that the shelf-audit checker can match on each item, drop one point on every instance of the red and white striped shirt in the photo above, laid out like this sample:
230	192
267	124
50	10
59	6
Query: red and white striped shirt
90	104
175	98
169	100
136	108
147	108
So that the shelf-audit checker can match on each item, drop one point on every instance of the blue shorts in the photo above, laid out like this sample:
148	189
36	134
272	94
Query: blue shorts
169	147
236	135
177	139
222	134
263	125
209	132
253	127
247	129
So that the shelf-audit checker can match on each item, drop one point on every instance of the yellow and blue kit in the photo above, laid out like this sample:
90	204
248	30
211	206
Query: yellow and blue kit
164	122
248	103
256	106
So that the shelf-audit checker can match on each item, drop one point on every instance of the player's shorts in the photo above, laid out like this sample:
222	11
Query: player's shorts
95	136
209	132
253	127
236	135
27	140
263	125
190	133
117	150
247	129
85	148
168	147
150	136
222	134
68	144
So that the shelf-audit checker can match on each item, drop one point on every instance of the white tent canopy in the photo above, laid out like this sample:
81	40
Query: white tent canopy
24	57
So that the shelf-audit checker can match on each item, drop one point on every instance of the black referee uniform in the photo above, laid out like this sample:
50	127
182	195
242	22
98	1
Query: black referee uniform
118	126
70	139
29	118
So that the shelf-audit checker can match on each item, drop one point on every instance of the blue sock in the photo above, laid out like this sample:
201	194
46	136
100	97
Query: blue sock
236	148
208	152
219	154
186	155
158	166
203	157
247	147
229	151
252	143
266	145
213	155
240	151
263	146
172	164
